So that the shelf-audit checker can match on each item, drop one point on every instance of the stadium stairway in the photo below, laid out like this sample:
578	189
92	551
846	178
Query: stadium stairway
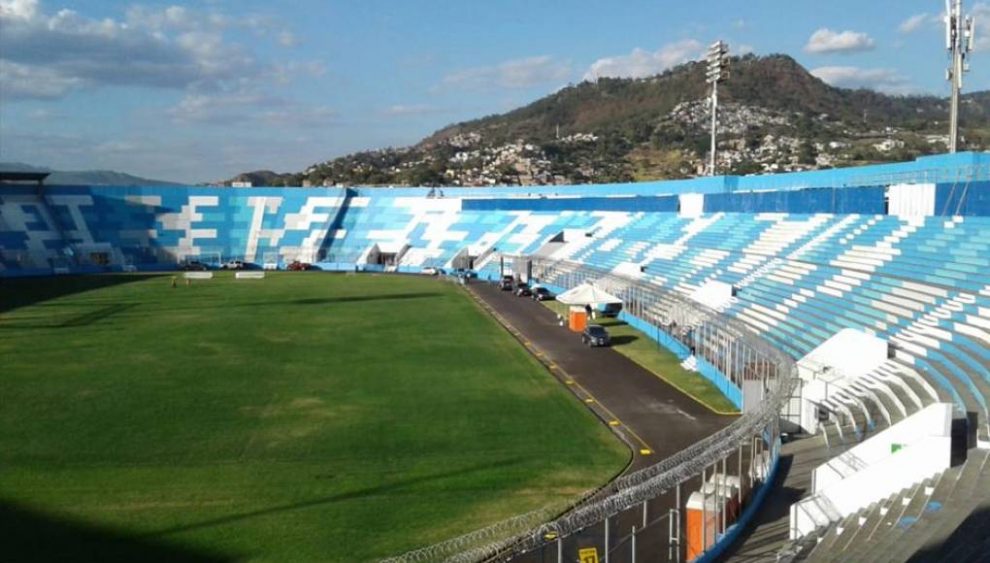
913	525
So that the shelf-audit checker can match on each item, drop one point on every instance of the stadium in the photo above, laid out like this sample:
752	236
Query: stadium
394	403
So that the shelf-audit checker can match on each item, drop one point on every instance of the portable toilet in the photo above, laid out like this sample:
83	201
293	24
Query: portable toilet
728	487
577	319
703	516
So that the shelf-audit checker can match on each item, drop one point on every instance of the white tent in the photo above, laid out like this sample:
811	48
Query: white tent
587	294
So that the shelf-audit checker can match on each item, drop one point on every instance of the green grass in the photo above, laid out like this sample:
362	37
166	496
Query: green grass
305	417
645	351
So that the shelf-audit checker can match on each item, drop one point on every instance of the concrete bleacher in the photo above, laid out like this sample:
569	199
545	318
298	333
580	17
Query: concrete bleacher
799	276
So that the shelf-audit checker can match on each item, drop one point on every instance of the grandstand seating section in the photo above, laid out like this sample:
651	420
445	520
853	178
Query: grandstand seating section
919	282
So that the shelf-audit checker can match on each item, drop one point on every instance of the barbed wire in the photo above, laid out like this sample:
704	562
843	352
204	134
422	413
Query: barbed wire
455	549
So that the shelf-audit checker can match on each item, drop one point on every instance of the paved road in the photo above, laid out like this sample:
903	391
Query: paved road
656	420
653	415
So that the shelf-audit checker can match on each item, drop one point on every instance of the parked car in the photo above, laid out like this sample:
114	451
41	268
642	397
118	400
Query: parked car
430	271
506	283
543	294
464	273
523	290
297	266
194	266
595	335
611	310
232	265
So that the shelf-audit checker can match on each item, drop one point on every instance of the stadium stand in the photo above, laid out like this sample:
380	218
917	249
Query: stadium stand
901	261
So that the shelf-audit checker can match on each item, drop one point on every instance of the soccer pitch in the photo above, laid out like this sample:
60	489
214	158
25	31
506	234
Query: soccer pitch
303	417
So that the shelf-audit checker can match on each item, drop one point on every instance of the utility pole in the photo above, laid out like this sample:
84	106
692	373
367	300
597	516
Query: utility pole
959	42
717	72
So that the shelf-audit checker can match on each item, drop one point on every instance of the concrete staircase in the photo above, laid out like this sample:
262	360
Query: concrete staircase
945	518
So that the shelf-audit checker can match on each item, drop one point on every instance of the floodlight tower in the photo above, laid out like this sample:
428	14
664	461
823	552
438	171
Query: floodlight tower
959	42
717	72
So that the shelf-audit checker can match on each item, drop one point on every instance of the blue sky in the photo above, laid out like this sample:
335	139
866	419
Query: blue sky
201	90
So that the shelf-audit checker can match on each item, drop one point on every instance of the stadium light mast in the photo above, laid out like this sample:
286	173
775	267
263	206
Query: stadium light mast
959	42
717	71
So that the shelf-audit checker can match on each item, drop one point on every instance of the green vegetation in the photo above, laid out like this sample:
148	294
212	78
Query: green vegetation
640	134
304	417
643	350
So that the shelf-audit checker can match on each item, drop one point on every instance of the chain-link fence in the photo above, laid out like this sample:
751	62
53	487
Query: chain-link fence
677	509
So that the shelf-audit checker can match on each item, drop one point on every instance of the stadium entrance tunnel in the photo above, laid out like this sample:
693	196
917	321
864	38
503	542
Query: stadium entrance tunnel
386	255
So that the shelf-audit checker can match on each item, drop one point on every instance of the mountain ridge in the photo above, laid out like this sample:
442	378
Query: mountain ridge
774	116
86	177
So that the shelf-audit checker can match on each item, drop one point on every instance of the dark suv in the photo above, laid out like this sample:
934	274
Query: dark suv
506	283
522	290
194	266
595	335
543	294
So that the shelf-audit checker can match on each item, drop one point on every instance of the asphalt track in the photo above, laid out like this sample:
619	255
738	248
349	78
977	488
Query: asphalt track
653	417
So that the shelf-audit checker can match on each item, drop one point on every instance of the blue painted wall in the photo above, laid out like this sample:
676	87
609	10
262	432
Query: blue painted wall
936	168
636	203
962	198
862	200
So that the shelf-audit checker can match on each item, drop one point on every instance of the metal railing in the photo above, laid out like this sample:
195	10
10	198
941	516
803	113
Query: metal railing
724	342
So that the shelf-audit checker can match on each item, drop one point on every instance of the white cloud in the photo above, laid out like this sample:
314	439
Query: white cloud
913	23
981	15
741	49
287	39
411	110
517	73
641	63
172	47
18	82
827	41
879	79
18	9
246	106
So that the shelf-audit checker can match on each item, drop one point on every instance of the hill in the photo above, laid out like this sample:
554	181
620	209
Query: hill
774	116
86	177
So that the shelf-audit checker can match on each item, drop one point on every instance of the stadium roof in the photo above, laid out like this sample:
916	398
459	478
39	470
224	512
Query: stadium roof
19	176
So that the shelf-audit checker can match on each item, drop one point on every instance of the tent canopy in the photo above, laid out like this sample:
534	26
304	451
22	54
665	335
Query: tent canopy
587	294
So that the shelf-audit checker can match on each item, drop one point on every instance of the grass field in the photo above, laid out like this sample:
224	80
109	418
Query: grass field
645	351
304	417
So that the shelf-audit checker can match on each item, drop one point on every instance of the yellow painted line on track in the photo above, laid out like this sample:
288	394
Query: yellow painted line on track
645	448
613	421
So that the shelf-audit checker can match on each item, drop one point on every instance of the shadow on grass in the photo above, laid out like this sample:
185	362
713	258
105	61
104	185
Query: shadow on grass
352	495
620	339
360	298
312	301
21	292
84	319
29	535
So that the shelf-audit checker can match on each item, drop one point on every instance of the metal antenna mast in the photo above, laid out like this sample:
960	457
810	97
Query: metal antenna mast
717	72
959	42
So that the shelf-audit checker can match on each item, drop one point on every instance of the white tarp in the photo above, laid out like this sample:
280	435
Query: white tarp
911	200
834	365
587	294
692	205
849	353
714	294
